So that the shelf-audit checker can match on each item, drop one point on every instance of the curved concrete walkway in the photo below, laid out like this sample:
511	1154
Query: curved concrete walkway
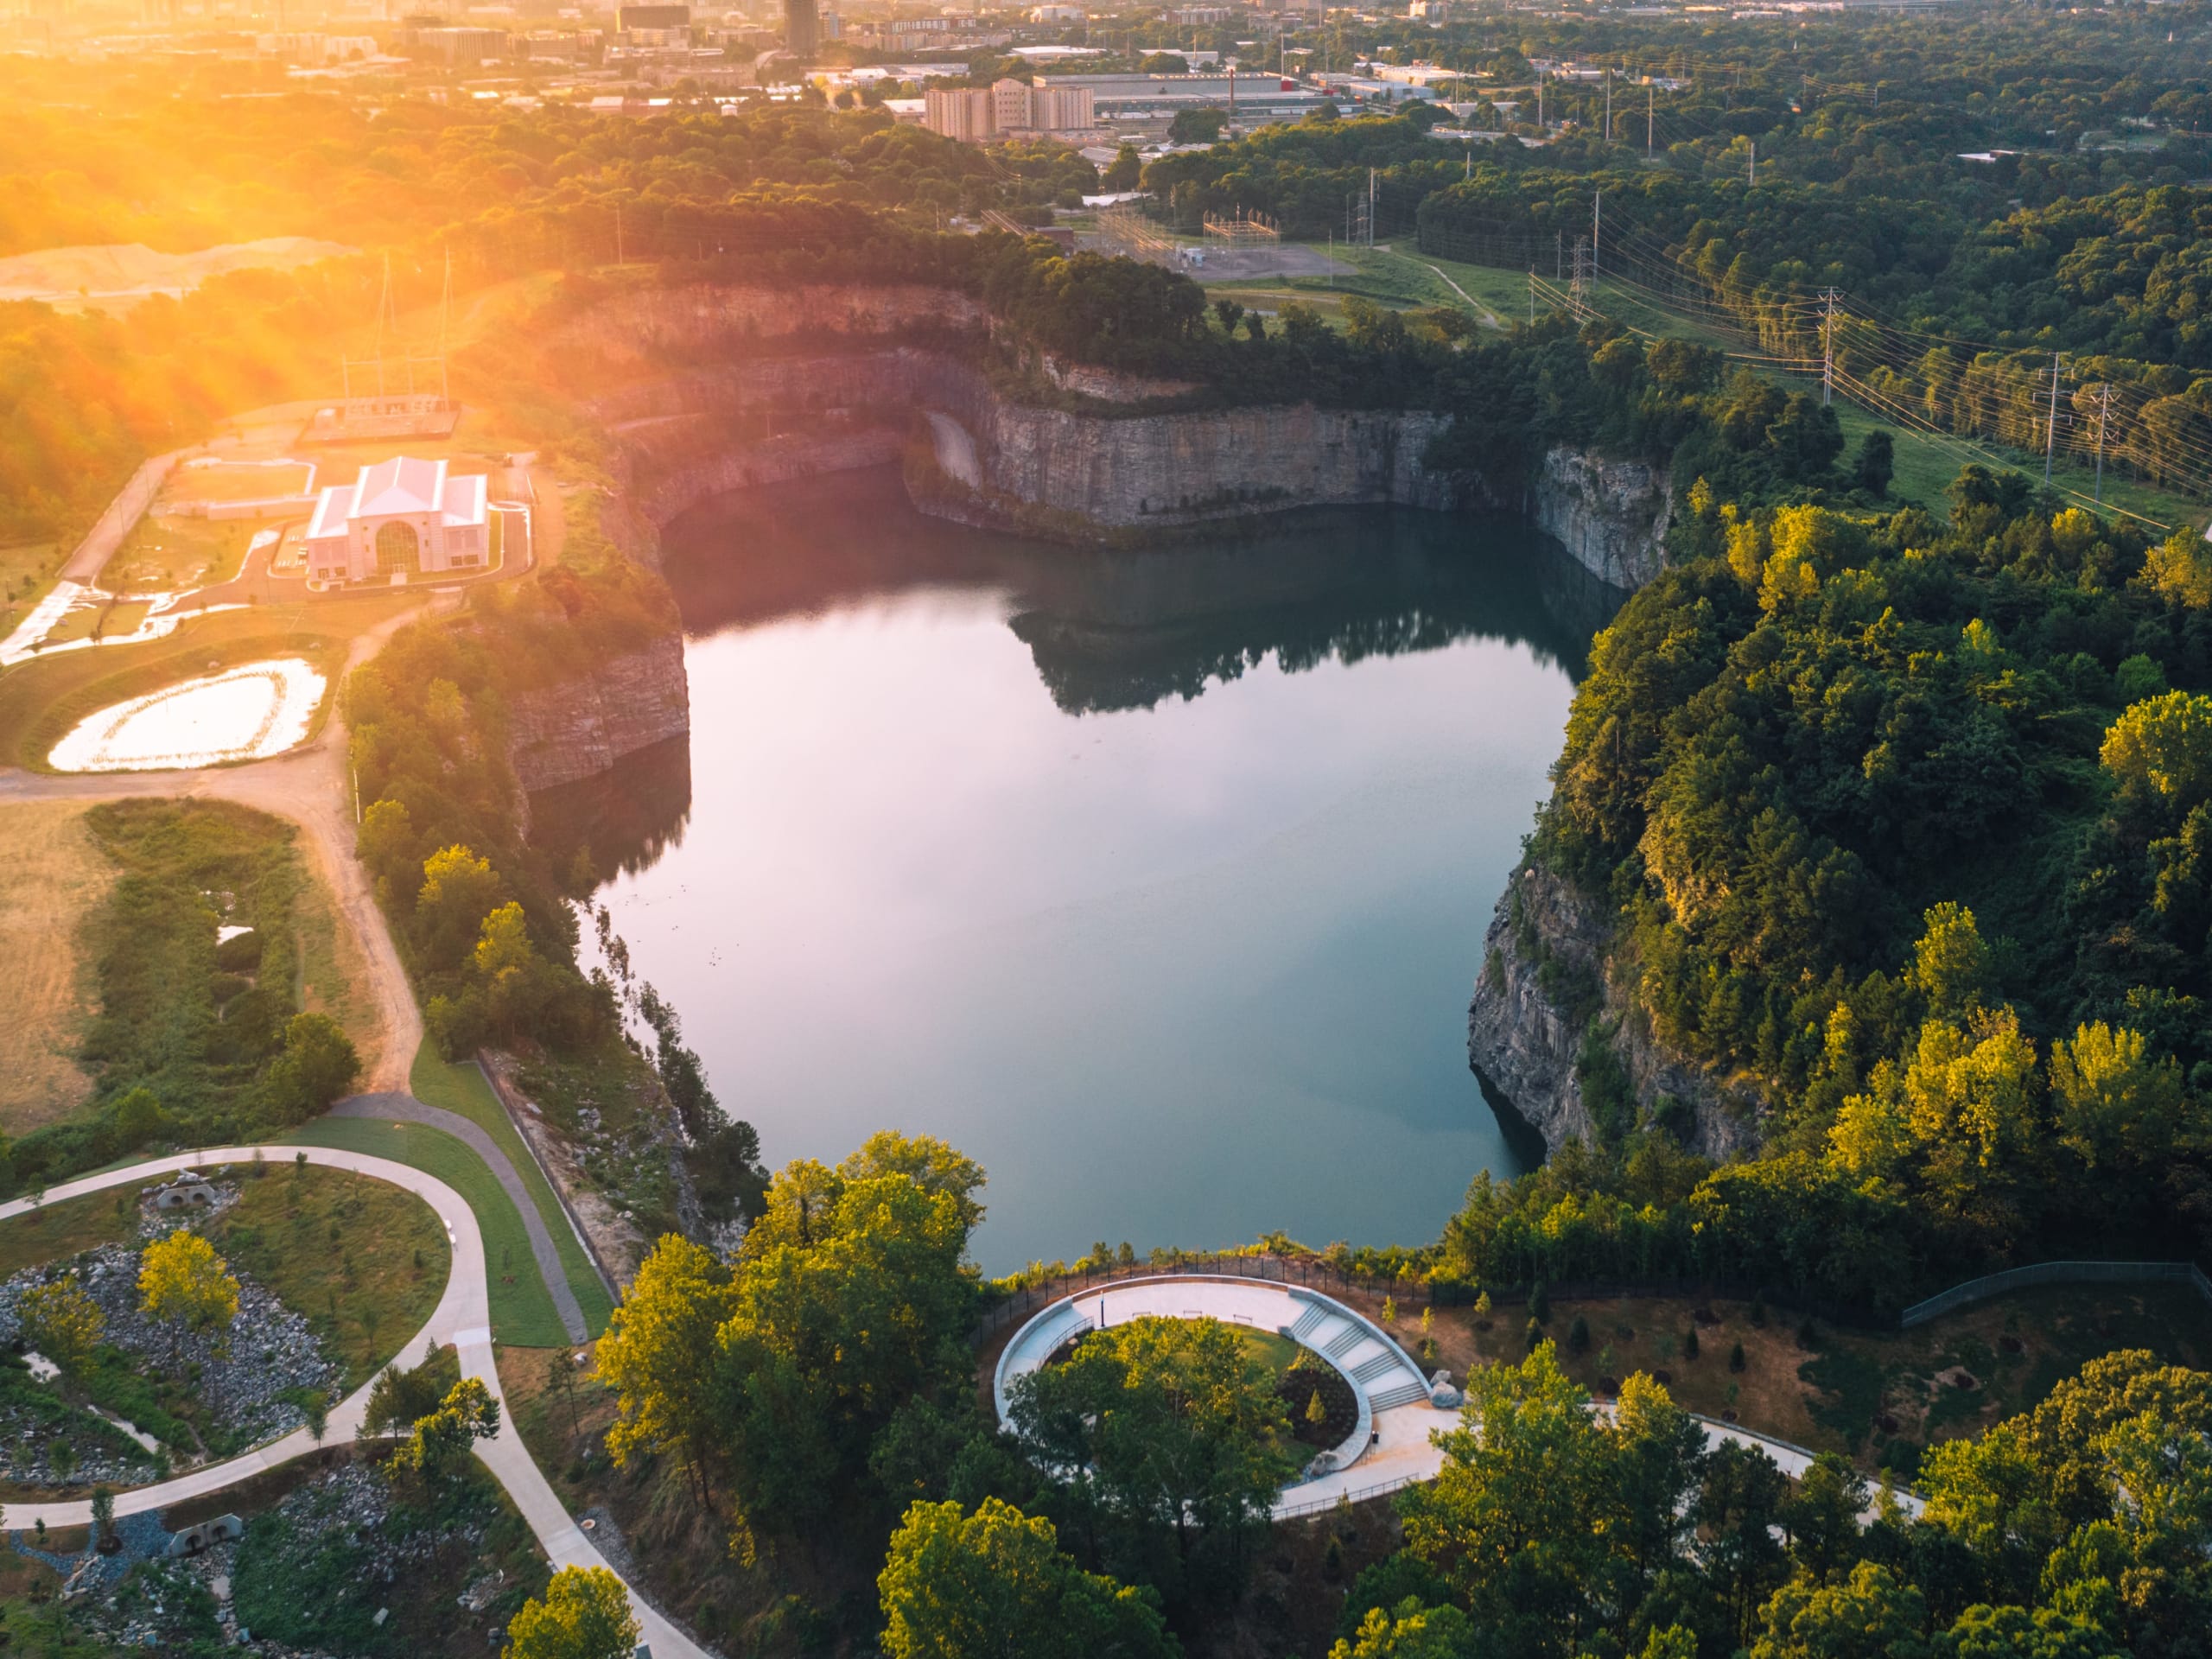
1392	1392
462	1318
405	1109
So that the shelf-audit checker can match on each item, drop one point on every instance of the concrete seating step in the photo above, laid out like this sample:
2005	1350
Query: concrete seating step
1399	1393
1308	1322
1344	1341
1368	1370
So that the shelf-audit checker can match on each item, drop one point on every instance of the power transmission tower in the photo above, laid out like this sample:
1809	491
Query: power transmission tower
1827	349
2104	413
1578	289
1597	199
2050	430
1371	206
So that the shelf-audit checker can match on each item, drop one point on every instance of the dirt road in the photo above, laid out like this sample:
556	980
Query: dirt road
313	786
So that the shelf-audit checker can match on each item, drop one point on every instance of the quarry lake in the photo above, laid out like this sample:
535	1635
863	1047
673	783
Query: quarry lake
1156	882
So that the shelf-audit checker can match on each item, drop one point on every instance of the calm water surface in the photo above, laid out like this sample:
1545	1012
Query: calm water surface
1157	883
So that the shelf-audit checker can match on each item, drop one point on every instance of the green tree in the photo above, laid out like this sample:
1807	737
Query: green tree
659	1356
61	1321
2116	1103
1411	1631
850	1297
1123	172
956	1585
1196	126
385	840
1822	1516
584	1614
458	891
1515	1521
441	1440
181	1279
2161	750
319	1065
1869	1616
1180	1428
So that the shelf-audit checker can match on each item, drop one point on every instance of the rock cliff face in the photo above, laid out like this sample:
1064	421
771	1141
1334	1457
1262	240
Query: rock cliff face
562	734
1610	515
1548	976
1095	477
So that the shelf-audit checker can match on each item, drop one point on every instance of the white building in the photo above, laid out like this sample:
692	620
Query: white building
401	517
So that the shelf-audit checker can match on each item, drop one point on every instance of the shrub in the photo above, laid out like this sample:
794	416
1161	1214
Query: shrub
1689	1344
1578	1335
1736	1361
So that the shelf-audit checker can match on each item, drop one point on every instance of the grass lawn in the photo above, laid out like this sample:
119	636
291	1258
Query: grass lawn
235	480
461	1089
41	699
522	1311
365	1262
98	621
55	1230
1275	1352
52	877
168	554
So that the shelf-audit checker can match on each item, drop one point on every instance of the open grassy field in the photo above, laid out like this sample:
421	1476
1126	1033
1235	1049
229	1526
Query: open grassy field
27	569
41	699
522	1311
364	1261
461	1089
52	876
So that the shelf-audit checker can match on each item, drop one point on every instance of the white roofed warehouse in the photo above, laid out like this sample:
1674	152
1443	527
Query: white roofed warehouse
400	519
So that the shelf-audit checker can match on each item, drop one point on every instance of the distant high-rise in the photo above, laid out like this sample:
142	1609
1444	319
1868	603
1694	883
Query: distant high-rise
802	34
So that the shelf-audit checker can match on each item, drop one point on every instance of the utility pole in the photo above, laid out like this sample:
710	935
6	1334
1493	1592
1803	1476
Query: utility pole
1596	199
1532	296
2104	413
1755	163
2050	430
1559	256
1651	118
1609	106
1541	127
1371	206
619	259
1827	350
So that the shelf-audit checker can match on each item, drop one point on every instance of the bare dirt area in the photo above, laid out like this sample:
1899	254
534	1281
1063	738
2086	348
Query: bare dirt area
52	877
1228	264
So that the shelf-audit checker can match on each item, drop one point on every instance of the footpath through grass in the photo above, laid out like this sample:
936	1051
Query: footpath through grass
463	1089
521	1311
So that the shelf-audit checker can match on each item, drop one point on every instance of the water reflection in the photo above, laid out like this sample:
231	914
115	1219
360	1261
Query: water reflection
1155	882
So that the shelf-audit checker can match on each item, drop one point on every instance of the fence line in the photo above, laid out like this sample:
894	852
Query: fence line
1321	1505
2055	1273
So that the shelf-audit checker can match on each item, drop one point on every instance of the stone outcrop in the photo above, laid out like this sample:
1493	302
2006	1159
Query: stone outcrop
1610	515
562	733
1548	974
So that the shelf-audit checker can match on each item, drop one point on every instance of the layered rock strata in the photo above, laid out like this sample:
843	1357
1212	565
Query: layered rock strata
1547	979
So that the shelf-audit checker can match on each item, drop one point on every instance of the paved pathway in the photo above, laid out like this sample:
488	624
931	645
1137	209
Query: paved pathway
462	1318
405	1109
1381	1373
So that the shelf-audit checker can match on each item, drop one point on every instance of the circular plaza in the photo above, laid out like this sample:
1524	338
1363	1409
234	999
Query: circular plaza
1399	1408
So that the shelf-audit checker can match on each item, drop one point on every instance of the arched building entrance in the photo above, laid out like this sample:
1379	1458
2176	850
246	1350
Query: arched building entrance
398	550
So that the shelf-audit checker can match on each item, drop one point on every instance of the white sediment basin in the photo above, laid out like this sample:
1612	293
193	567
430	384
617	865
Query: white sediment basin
241	713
